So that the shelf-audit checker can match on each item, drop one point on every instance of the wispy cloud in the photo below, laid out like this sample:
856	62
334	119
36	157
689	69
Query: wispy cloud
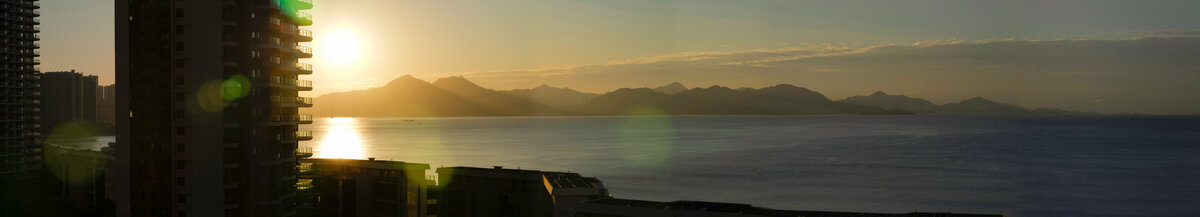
1176	33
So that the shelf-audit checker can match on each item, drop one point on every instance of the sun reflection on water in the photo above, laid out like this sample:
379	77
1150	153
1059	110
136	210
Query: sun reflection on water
341	140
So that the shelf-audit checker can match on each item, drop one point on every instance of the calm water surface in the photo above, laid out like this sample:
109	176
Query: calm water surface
1013	165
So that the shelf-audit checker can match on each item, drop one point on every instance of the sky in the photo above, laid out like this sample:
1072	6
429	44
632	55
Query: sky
1107	56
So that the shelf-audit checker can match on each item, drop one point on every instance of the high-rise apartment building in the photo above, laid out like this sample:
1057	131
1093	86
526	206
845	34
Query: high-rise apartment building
20	139
207	104
71	96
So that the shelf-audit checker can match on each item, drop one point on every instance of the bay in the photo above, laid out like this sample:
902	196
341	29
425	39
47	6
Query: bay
1016	165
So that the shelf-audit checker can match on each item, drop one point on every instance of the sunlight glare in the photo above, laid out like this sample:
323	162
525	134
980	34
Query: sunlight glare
340	47
342	140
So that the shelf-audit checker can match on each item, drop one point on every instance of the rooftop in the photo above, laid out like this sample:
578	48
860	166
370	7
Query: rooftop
567	180
748	210
375	164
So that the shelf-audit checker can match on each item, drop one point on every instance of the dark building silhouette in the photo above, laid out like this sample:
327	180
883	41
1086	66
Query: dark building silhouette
641	208
20	136
106	99
78	176
68	97
346	188
207	106
469	191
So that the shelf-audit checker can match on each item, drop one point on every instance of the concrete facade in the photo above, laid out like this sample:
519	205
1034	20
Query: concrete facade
208	105
20	100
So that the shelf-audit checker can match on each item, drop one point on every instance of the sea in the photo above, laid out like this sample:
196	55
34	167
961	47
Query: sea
1015	165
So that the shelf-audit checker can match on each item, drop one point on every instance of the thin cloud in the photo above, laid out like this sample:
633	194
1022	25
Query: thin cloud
1176	33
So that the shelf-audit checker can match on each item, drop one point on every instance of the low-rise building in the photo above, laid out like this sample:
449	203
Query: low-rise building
642	208
79	177
470	191
350	188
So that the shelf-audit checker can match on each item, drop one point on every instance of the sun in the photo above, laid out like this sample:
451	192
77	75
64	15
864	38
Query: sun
340	47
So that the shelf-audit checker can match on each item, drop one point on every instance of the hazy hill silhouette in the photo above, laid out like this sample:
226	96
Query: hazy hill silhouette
408	96
902	102
560	98
775	100
672	88
979	104
456	96
972	105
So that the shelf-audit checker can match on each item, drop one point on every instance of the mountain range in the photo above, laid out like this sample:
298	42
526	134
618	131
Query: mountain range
918	105
408	96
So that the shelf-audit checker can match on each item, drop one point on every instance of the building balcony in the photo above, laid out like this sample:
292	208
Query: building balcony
304	35
288	178
304	101
304	119
303	19
304	51
305	152
304	135
279	82
304	68
27	4
304	85
303	4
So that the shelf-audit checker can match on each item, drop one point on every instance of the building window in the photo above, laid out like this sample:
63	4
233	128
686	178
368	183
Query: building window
179	147
178	63
179	12
179	164
178	46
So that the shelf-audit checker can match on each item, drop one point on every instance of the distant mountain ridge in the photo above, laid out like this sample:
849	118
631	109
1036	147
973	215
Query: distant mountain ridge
918	105
883	100
408	96
717	100
672	88
561	98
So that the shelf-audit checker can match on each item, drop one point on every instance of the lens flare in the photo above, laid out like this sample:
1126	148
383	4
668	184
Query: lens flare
65	141
209	97
647	137
236	87
71	133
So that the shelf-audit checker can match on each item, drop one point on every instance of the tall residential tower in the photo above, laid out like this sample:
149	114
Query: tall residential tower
207	104
20	139
71	97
